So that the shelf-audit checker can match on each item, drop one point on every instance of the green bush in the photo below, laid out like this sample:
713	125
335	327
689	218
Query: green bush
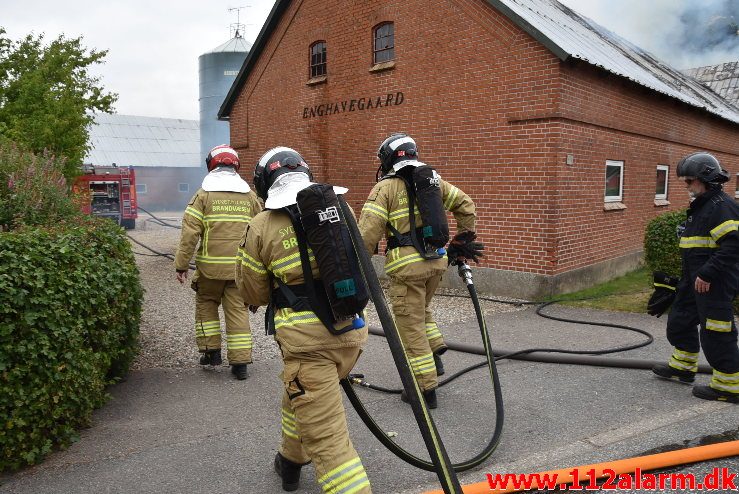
661	246
70	304
33	190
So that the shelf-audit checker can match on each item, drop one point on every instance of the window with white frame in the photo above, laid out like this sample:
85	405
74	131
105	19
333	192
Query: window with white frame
184	187
141	188
614	181
736	191
660	192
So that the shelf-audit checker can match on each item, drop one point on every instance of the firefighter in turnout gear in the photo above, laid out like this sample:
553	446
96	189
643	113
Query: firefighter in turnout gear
216	217
415	266
314	427
702	313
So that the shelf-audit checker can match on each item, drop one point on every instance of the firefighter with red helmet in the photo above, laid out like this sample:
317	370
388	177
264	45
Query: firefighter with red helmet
271	272
415	255
702	313
213	223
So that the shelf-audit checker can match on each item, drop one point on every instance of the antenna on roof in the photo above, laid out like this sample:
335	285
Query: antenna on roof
237	29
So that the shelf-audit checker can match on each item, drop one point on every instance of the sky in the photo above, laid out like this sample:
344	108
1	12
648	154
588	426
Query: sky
153	46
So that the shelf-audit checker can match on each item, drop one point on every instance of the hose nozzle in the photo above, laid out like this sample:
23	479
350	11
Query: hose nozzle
465	272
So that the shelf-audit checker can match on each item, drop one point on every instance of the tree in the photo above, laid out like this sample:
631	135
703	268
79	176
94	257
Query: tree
48	96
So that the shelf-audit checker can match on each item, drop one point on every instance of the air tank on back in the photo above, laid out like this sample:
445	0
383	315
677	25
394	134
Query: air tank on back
218	70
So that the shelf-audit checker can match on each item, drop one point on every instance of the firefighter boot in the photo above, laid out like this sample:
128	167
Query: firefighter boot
429	396
288	471
239	371
211	357
709	393
664	371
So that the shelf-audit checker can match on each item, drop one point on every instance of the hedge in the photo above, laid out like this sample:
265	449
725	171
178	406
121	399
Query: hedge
70	305
661	246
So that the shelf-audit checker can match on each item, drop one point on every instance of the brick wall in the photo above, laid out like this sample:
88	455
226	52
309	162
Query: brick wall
492	109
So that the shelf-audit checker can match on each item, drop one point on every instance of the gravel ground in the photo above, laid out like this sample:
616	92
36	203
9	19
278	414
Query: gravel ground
167	334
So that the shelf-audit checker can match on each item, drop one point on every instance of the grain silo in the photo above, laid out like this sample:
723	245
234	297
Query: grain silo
218	69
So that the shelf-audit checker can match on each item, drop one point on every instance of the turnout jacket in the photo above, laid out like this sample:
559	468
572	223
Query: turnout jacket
710	242
269	249
388	203
217	220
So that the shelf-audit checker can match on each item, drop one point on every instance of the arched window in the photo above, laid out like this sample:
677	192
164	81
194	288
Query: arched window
318	59
384	42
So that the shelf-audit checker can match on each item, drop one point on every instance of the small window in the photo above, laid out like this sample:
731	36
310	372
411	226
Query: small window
184	187
660	192
141	188
736	191
384	43
318	59
614	181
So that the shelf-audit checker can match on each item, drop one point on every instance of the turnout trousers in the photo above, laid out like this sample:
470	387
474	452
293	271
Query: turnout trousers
209	295
314	427
411	300
705	321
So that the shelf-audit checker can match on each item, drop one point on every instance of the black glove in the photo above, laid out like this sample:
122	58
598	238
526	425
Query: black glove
665	288
463	245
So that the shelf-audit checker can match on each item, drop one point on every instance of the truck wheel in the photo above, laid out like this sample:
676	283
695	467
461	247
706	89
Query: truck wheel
128	224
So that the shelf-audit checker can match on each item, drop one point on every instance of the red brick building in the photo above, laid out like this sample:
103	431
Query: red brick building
565	135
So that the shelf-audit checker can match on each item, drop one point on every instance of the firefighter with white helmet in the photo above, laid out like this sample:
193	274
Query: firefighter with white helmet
415	255
213	223
702	312
271	272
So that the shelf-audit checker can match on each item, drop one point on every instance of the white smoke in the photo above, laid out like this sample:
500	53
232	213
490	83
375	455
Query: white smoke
683	33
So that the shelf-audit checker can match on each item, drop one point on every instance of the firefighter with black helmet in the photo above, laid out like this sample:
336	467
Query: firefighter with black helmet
315	358
408	205
213	223
702	313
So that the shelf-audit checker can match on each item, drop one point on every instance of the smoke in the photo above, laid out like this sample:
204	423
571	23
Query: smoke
683	33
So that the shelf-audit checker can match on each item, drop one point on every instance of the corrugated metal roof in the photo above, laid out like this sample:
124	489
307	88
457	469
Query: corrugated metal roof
568	34
722	78
236	44
144	141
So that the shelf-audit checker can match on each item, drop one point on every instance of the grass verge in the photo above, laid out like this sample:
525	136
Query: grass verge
627	293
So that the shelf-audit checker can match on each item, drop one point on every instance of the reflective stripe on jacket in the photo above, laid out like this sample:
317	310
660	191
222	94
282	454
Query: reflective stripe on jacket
217	220
269	249
388	203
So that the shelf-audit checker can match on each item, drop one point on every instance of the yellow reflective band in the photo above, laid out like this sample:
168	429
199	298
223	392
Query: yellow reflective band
697	242
239	341
289	428
281	266
720	326
194	213
724	228
208	328
665	286
215	260
729	384
285	317
423	364
250	262
402	213
451	198
228	218
347	478
375	209
687	356
402	261
432	331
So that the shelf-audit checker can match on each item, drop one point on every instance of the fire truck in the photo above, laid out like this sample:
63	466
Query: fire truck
111	191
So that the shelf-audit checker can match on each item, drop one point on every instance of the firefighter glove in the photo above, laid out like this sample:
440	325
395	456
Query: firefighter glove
463	245
665	287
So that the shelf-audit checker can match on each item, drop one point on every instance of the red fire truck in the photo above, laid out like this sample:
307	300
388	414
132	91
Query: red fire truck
111	191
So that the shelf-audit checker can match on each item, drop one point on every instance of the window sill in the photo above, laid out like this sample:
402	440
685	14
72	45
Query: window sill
661	202
316	80
379	67
613	206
